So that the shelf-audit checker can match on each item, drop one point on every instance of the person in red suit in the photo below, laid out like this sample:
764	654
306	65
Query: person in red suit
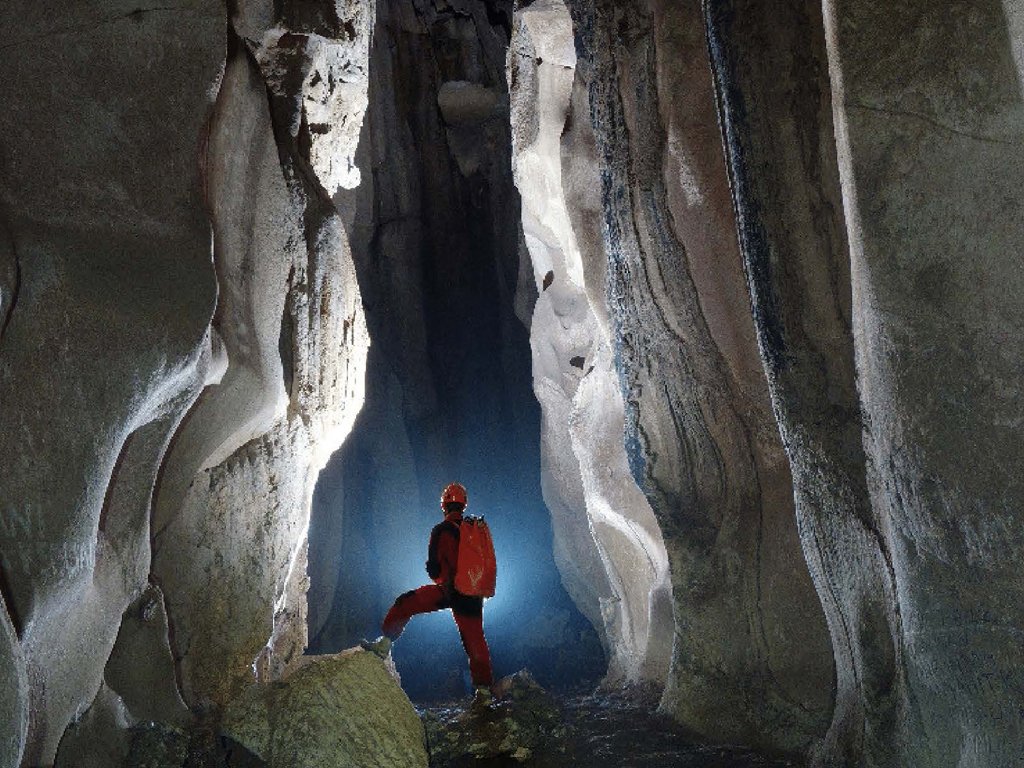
468	611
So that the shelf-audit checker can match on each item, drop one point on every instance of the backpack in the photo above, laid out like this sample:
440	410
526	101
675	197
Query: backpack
477	569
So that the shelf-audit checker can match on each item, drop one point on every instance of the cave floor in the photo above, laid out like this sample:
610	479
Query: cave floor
591	731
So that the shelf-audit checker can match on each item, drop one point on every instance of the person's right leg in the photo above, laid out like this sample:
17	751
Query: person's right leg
471	629
423	600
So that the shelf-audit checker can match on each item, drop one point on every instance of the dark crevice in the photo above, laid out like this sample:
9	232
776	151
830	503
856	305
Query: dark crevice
176	656
8	595
108	498
15	288
286	341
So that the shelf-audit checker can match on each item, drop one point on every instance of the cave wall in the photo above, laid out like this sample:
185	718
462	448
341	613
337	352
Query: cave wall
935	237
107	297
237	484
874	248
750	661
607	542
154	387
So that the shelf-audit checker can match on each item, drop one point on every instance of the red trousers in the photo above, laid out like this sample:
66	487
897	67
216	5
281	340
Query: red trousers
470	623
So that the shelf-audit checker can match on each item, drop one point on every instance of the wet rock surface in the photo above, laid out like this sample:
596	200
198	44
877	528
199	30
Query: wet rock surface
529	727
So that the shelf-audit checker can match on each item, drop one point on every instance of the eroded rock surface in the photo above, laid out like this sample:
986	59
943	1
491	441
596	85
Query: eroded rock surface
14	694
236	489
700	436
869	341
780	139
930	168
608	543
339	710
103	320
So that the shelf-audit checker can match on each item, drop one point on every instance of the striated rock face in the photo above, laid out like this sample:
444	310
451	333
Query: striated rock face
236	487
750	662
107	290
910	541
786	186
343	710
935	237
607	541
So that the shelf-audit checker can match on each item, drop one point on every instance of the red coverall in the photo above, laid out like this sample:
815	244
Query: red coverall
468	611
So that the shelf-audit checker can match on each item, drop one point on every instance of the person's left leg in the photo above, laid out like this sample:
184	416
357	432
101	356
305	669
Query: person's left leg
422	600
471	630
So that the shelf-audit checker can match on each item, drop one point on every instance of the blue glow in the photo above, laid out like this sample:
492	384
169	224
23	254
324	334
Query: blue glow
530	622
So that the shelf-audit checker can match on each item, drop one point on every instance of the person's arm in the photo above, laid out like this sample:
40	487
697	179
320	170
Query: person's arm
442	554
448	554
433	563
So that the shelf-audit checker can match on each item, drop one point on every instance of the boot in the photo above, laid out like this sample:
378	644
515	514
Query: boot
482	697
380	647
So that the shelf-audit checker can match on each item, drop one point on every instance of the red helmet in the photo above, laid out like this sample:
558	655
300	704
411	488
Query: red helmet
453	492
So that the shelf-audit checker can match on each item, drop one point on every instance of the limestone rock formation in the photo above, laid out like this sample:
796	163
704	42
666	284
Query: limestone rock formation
236	487
608	543
787	194
108	290
870	340
750	662
935	240
105	317
101	737
334	710
141	667
14	694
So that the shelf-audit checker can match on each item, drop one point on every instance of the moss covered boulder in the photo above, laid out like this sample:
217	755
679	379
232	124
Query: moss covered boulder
343	710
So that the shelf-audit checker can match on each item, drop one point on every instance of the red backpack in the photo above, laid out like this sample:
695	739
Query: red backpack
477	569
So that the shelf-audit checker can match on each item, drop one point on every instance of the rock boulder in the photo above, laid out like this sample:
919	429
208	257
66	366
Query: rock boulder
343	710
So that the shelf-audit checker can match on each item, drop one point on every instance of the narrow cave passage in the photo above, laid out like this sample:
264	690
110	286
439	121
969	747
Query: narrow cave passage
436	238
710	303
